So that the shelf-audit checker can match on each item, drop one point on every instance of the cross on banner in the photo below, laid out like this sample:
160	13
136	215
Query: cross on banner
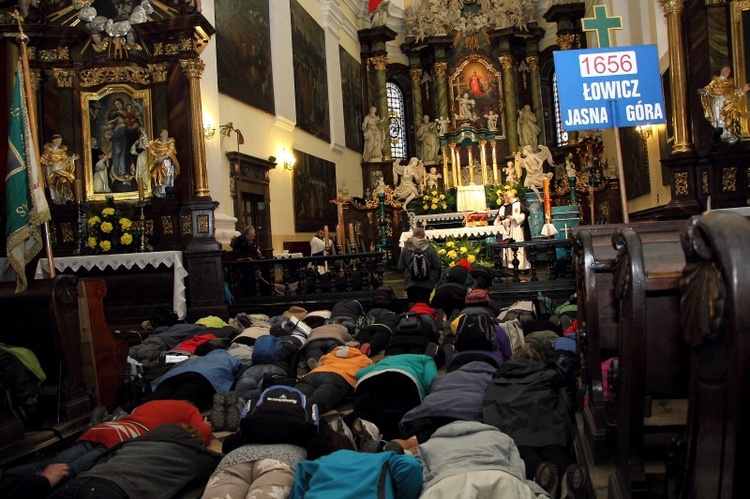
601	24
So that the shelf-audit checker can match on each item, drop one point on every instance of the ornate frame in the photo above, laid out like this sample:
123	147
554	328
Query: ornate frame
457	85
95	110
739	32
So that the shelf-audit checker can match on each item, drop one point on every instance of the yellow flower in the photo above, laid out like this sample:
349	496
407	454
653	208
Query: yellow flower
125	223
452	254
450	244
442	196
106	227
434	193
472	258
463	249
452	264
92	242
424	206
93	221
442	251
126	239
433	206
105	245
515	191
108	212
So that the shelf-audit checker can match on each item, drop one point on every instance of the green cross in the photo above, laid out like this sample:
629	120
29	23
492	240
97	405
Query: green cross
601	24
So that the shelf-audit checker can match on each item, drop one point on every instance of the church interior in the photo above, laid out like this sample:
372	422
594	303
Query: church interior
231	168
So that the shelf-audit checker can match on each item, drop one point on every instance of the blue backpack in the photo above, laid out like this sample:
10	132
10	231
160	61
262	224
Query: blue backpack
280	415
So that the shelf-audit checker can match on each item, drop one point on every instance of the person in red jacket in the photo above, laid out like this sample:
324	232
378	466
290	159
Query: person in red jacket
97	440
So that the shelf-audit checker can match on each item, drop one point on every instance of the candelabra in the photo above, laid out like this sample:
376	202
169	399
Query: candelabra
141	206
82	228
383	224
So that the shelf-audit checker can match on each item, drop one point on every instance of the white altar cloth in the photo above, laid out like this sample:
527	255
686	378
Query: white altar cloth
457	232
471	198
169	259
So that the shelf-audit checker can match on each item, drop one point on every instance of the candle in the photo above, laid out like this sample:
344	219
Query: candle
338	234
78	191
547	200
140	189
351	233
325	235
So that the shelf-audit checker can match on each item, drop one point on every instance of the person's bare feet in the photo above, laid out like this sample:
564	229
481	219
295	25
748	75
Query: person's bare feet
56	473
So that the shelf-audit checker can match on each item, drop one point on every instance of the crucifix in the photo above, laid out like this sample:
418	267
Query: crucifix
339	202
601	24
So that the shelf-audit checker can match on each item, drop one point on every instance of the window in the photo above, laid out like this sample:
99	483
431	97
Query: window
396	120
562	135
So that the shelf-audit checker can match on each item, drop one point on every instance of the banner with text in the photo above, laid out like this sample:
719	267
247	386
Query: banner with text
607	87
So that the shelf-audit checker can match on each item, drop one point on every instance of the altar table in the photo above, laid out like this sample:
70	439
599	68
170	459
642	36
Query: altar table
456	232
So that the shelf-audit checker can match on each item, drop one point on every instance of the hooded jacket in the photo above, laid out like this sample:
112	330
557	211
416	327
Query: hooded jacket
415	243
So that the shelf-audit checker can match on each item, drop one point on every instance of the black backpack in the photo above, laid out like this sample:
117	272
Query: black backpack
419	266
475	332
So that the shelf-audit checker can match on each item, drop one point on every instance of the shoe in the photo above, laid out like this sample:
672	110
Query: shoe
218	415
546	478
338	425
365	349
574	482
232	409
312	363
367	435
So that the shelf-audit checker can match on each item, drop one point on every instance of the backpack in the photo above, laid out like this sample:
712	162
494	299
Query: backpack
279	416
409	323
475	332
267	349
419	266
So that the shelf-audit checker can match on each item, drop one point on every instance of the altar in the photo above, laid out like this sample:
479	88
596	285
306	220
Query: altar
127	261
478	232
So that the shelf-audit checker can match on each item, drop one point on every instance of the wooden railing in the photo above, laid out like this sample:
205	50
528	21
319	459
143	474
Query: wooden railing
550	259
307	279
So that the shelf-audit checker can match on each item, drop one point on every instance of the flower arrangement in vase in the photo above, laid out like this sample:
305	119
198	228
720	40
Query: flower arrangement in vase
495	193
452	250
436	200
109	231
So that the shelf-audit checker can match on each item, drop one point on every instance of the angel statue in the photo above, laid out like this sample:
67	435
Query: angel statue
533	163
165	167
410	184
60	170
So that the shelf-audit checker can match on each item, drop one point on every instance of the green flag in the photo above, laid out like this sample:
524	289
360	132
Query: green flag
25	204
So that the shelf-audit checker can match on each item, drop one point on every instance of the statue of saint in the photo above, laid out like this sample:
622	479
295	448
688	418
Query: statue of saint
380	14
60	170
533	163
528	130
372	128
442	124
409	186
432	178
720	105
465	106
165	166
491	120
428	137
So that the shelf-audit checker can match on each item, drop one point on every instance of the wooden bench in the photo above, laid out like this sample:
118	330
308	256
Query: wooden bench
653	364
594	262
715	309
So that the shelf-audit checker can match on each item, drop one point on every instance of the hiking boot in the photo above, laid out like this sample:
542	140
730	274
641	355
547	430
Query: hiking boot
338	425
218	415
367	435
232	410
574	482
365	349
546	478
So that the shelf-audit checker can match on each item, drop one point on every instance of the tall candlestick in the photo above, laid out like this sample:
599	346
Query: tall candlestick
351	233
141	195
78	190
547	200
325	235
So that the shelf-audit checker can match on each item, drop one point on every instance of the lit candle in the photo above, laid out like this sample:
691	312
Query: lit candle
325	235
140	189
547	200
351	233
78	191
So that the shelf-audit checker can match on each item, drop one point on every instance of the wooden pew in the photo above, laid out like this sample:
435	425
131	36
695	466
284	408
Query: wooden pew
594	262
653	365
715	309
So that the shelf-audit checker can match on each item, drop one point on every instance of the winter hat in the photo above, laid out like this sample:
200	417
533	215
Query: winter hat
457	274
478	297
384	297
295	311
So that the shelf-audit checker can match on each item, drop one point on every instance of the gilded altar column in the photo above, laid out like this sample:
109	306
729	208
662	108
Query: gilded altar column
509	94
532	61
495	177
193	69
677	71
446	174
441	81
483	160
380	64
456	166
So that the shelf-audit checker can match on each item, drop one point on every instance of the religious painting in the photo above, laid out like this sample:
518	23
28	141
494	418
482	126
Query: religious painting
116	133
740	51
243	52
476	95
314	188
635	163
351	91
310	75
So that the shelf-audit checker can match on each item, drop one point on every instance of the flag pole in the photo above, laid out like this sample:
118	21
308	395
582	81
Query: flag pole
31	106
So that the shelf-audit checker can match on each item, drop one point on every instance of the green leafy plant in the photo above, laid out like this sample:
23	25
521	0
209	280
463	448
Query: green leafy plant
109	231
436	200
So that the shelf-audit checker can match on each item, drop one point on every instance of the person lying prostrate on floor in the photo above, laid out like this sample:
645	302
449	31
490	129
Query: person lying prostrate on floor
333	379
450	295
347	473
97	440
527	401
168	462
472	459
457	395
197	379
323	340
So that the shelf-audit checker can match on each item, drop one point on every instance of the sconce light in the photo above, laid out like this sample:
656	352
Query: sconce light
287	159
644	131
226	131
209	130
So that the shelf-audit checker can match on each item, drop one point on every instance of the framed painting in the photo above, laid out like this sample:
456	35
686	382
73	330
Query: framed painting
116	133
310	77
243	52
314	187
635	163
476	80
351	90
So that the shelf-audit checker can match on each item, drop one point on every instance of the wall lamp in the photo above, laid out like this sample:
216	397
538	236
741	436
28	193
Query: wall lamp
209	130
226	131
287	159
645	131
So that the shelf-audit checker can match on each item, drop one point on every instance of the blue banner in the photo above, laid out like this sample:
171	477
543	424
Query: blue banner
607	87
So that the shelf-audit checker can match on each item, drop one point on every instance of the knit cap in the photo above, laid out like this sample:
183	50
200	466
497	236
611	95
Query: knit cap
478	297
